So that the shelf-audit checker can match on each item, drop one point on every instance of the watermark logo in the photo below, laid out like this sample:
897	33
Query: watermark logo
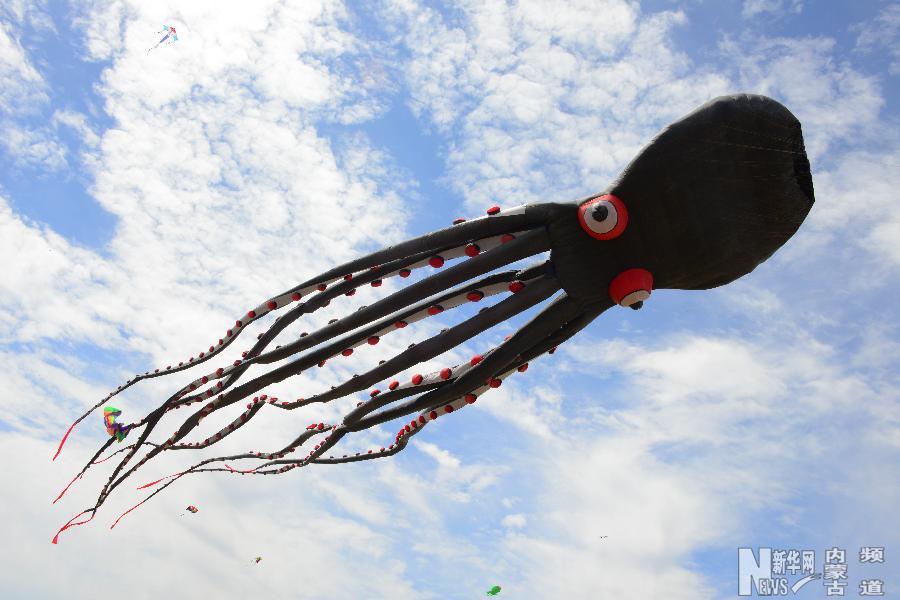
784	572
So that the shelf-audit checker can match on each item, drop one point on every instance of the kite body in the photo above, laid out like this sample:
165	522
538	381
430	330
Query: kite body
116	430
170	37
193	509
494	591
704	203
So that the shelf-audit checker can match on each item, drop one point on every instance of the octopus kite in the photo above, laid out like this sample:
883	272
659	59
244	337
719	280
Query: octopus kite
711	197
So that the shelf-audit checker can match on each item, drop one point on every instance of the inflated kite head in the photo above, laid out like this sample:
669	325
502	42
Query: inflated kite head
710	198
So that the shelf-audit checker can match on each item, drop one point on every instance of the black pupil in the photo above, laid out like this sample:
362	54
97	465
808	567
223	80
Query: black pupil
600	212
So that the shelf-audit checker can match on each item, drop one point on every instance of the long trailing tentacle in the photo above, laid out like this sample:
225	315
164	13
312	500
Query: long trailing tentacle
451	399
528	245
547	322
497	223
485	256
510	249
524	246
333	435
527	296
519	364
437	380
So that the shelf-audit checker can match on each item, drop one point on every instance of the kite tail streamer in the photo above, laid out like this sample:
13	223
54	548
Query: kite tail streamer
71	524
126	512
152	483
65	437
62	493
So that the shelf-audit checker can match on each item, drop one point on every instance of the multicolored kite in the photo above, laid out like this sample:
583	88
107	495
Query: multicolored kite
193	508
257	559
112	428
170	33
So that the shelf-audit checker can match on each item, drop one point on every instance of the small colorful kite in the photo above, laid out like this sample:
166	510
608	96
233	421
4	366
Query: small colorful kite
193	508
494	591
170	33
257	559
112	428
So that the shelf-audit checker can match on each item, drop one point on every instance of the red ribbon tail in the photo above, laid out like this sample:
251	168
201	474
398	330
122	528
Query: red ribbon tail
76	478
97	462
63	441
71	524
152	483
126	512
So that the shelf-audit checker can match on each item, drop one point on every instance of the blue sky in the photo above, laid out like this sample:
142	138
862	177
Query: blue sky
146	199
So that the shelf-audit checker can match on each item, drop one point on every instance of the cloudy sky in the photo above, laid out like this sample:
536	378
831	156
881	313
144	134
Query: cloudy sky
147	199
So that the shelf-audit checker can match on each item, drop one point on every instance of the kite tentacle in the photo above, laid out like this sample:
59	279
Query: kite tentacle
362	316
69	524
509	245
231	373
252	409
532	334
412	428
96	462
444	376
519	364
528	295
400	265
531	289
198	469
569	328
106	445
522	247
516	249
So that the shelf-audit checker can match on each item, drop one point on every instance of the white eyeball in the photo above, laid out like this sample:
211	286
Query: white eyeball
604	217
601	217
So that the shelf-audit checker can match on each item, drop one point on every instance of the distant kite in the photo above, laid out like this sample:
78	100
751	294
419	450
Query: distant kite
114	429
710	198
193	509
494	591
257	559
169	35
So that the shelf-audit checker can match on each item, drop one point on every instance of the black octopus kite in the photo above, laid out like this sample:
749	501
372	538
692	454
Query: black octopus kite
713	196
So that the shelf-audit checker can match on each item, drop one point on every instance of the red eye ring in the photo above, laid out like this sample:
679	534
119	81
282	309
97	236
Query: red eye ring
631	286
618	212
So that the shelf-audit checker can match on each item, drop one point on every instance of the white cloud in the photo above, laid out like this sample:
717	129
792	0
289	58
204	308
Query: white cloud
547	116
21	86
79	124
881	34
866	223
458	480
516	521
835	102
707	435
23	91
753	8
31	12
